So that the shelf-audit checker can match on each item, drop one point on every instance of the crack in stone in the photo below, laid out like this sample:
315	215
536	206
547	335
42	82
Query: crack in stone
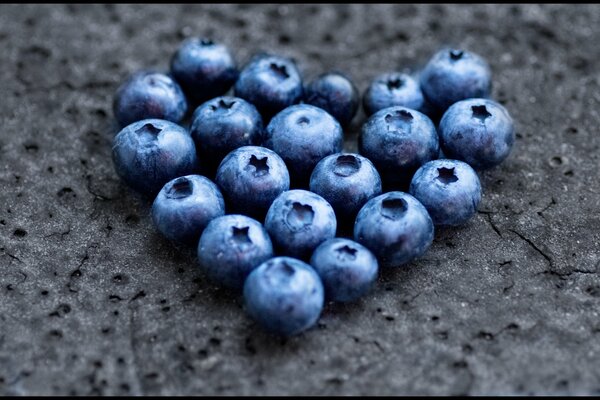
494	227
62	234
535	247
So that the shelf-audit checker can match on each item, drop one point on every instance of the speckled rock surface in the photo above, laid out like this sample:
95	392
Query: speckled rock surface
94	301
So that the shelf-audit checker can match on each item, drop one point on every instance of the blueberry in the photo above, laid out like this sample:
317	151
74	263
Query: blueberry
395	227
284	295
449	190
185	206
223	124
477	131
348	269
231	246
271	83
250	178
453	75
298	221
393	89
398	140
347	182
334	93
204	69
149	94
149	153
302	135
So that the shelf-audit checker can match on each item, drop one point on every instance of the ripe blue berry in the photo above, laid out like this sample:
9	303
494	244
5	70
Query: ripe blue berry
347	181
453	75
398	140
302	135
348	269
395	227
393	89
203	68
149	94
284	295
334	93
185	206
449	190
298	221
149	153
250	178
477	131
230	247
271	83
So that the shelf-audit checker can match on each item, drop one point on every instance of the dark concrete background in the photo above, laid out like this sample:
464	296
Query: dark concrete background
94	301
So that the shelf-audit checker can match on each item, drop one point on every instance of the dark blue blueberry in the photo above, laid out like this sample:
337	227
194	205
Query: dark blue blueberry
231	246
395	227
453	75
203	68
302	135
284	295
477	131
334	93
398	140
347	182
393	89
271	83
185	206
449	190
149	94
298	221
149	153
250	178
348	269
223	124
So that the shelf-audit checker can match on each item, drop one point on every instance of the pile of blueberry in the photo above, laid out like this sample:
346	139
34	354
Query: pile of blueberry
251	158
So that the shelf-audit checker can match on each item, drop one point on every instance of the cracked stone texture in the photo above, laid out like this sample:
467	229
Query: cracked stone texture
94	301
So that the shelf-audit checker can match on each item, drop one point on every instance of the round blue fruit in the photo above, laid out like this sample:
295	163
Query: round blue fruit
335	93
395	227
479	132
203	68
149	94
185	206
284	295
270	82
231	246
298	221
453	75
250	178
347	269
149	153
393	89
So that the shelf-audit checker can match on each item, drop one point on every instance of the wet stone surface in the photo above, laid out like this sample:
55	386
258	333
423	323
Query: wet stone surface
94	301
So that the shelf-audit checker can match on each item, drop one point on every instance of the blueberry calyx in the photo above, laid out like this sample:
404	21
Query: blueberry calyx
393	208
395	83
346	253
282	269
446	175
300	216
148	129
481	113
303	121
399	121
181	188
240	235
260	165
346	165
456	54
222	105
206	42
279	70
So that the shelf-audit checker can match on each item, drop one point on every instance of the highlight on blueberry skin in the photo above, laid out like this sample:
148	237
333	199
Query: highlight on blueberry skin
393	89
302	135
149	153
270	82
449	189
347	269
398	140
251	178
149	94
347	181
222	125
204	68
396	227
453	75
335	93
185	206
479	132
298	221
230	247
284	295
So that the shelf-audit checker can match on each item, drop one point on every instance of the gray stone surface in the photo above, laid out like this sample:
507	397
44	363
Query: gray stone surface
94	301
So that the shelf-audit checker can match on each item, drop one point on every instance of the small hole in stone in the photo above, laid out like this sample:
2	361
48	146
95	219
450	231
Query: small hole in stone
395	83
346	165
132	219
569	173
20	233
44	293
65	191
284	39
435	318
55	333
300	216
556	161
456	54
393	208
166	309
446	175
31	147
480	112
148	129
261	166
181	188
279	70
215	341
240	235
